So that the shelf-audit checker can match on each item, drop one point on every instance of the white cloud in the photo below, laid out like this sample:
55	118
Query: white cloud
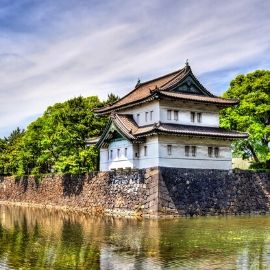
93	49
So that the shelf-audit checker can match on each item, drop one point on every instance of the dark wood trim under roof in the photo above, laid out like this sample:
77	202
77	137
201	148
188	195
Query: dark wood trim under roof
126	126
162	87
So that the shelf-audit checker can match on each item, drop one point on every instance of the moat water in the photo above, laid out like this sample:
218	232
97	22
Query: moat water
46	239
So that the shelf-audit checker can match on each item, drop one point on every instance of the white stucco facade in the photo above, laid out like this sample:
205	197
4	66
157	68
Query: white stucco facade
174	113
167	151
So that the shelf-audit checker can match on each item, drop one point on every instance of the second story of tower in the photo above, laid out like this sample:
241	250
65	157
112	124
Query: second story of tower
174	112
175	98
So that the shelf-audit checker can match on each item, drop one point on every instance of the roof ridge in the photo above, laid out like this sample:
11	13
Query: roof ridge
183	69
143	83
161	77
198	82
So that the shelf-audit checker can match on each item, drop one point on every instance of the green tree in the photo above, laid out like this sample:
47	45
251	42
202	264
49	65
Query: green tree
111	98
9	149
55	142
252	115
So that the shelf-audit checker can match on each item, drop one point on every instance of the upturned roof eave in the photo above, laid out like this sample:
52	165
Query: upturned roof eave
159	94
119	127
192	134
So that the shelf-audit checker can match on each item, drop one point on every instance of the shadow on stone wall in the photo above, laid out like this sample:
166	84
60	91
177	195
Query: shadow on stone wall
22	181
72	184
204	192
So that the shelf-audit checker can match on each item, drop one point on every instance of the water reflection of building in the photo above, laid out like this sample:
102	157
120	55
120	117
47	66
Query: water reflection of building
46	239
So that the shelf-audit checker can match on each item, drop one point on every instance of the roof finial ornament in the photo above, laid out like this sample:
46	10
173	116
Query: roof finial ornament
138	83
187	64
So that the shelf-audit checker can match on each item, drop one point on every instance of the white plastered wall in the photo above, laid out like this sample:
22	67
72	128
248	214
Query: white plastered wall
151	159
141	110
108	162
157	154
178	159
209	113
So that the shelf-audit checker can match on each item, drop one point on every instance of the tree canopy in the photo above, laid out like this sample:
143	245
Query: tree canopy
55	142
252	115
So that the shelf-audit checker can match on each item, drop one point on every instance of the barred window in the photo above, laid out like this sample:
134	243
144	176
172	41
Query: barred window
187	150
169	149
216	152
194	151
138	118
146	116
169	114
145	150
175	113
151	115
192	117
199	117
210	151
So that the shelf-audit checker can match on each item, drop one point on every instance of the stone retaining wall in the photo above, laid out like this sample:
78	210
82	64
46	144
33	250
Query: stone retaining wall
212	192
150	192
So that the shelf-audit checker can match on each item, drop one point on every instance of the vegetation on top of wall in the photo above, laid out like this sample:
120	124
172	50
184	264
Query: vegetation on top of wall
55	142
252	115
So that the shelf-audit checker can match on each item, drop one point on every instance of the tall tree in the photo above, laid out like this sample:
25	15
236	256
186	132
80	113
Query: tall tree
9	151
111	99
55	142
252	115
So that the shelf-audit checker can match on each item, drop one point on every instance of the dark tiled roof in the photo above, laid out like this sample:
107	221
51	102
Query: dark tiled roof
162	85
142	91
193	130
200	98
128	122
126	125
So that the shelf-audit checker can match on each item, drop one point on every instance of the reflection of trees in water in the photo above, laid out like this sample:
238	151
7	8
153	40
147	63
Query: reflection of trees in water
255	256
42	239
26	247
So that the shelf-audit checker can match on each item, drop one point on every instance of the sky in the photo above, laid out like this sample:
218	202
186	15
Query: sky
54	50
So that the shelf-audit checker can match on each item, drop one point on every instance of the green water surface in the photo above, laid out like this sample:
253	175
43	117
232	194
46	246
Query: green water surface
46	239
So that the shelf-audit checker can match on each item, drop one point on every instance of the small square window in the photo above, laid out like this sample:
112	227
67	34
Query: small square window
175	114
192	117
169	114
187	150
194	151
169	149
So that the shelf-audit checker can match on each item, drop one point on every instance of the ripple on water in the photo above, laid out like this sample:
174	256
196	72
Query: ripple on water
47	239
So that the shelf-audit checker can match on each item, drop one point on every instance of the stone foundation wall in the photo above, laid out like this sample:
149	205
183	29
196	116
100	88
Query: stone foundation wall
212	192
116	193
150	192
